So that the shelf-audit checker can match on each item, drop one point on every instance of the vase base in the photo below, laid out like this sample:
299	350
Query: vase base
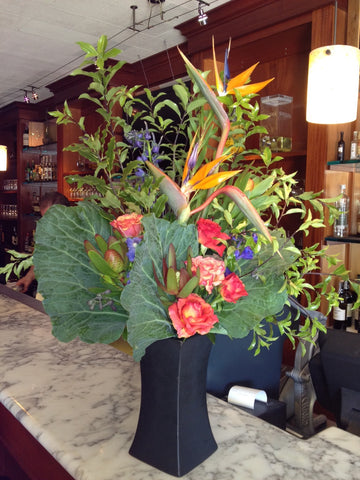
170	465
174	433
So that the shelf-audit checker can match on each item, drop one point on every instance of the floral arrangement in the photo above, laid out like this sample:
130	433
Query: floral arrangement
184	236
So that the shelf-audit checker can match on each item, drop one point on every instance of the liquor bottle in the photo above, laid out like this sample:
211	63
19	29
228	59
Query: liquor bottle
26	137
356	312
14	237
54	170
27	242
358	218
28	173
341	224
341	148
354	146
339	313
349	298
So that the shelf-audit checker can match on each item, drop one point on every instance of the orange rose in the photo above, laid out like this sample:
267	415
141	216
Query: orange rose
212	271
192	315
209	235
128	225
232	288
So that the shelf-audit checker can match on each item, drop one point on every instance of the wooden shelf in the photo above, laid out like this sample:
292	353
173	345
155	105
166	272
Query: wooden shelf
40	184
349	239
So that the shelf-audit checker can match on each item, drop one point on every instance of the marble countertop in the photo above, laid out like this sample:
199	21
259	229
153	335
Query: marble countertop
81	403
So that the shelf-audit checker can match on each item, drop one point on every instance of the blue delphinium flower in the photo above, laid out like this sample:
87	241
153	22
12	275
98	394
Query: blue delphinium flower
132	244
247	253
237	255
139	172
192	161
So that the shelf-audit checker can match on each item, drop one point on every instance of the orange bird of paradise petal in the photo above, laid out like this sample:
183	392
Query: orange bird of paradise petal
214	180
204	171
219	83
242	78
238	82
250	88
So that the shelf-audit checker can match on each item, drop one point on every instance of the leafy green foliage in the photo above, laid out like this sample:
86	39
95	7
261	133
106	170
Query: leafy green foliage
82	290
148	318
68	282
19	262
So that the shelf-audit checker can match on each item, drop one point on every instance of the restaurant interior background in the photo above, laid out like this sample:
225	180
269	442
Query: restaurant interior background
38	52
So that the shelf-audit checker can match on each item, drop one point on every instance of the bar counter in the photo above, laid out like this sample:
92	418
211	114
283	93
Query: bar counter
80	404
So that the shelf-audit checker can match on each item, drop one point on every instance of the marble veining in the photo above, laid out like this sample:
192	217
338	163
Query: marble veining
81	403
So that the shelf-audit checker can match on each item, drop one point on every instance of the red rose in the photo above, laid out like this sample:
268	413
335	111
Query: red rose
209	235
192	315
232	288
128	225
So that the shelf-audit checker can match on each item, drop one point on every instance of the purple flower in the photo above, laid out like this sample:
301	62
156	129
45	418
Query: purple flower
226	69
155	149
132	244
255	237
139	172
192	161
247	254
227	271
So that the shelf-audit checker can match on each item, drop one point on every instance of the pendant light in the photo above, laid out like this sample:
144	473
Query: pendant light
333	83
3	158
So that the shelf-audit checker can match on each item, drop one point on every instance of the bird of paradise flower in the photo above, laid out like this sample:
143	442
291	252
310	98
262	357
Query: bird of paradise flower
208	176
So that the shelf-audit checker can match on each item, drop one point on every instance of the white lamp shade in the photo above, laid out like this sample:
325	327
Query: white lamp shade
3	158
333	84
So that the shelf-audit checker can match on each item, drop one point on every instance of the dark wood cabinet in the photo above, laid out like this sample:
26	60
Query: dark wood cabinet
19	194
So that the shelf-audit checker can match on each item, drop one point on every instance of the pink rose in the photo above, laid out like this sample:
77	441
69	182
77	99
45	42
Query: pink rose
128	225
232	288
212	271
209	234
192	315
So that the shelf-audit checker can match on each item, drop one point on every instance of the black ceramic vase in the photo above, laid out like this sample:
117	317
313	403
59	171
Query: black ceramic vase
173	432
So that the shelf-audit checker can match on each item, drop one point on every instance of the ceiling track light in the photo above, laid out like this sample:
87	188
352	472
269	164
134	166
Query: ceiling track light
156	2
26	98
34	94
202	18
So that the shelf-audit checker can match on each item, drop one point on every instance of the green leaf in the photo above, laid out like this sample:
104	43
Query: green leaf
261	302
181	93
148	318
65	275
88	48
101	243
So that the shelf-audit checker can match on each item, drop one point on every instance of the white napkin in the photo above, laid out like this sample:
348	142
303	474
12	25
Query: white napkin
245	396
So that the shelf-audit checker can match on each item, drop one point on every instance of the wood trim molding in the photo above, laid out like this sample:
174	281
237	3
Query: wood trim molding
31	456
353	23
238	19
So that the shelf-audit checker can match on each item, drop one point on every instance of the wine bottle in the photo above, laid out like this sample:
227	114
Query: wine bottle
341	148
354	146
341	224
26	137
349	298
339	312
14	237
355	312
